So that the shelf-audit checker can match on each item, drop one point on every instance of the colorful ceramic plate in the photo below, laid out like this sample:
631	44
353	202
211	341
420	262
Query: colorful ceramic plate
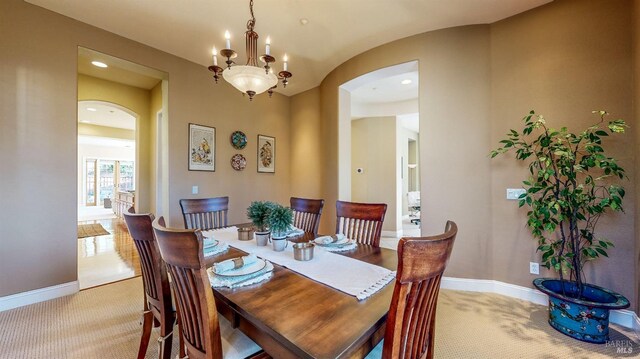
244	270
238	162
238	140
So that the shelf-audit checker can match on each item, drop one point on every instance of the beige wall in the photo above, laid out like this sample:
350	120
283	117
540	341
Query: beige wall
307	146
137	100
38	116
454	109
563	60
373	148
264	115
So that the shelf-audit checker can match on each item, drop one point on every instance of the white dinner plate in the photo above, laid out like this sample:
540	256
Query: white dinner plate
335	243
244	270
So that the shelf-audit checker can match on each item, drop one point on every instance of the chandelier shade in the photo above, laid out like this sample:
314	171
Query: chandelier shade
249	79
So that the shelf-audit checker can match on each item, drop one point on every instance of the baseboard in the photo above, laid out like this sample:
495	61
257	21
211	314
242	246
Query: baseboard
626	318
38	295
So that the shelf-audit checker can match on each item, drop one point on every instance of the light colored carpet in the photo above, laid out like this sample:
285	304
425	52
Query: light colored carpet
91	230
103	322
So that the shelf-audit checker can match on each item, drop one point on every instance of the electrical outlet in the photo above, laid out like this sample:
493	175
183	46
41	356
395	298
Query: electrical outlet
514	193
534	268
194	190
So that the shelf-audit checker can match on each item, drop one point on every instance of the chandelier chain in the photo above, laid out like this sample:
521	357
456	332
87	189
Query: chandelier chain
252	78
251	23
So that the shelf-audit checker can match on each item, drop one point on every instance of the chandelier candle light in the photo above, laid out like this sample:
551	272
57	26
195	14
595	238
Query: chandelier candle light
250	78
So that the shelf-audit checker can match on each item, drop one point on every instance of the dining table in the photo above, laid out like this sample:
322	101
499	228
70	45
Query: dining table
292	316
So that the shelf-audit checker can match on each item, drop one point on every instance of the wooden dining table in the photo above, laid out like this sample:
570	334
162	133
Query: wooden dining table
292	316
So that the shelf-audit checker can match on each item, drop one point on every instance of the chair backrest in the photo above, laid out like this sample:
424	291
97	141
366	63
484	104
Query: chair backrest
306	213
361	222
182	252
154	272
205	213
412	314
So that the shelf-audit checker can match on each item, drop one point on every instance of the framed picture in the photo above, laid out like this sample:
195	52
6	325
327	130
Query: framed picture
266	154
202	148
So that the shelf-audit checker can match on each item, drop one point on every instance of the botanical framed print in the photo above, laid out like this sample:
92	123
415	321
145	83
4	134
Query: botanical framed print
202	148
266	154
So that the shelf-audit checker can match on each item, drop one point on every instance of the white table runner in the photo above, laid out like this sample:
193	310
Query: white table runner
348	275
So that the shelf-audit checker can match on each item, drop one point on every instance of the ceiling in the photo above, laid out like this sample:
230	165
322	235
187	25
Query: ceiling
388	89
105	114
118	70
336	29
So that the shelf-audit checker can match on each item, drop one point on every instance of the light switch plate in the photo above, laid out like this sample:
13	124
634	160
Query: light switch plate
514	193
194	190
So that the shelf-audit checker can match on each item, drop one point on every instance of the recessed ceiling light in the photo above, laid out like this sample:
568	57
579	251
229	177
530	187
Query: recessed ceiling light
304	21
406	82
91	109
99	64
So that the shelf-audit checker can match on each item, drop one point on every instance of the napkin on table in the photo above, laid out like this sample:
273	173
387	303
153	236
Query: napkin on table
234	263
293	231
330	239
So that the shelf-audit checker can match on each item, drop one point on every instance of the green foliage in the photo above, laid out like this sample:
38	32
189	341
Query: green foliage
571	185
258	213
280	219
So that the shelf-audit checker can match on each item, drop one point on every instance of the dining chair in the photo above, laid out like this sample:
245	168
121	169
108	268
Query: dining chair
158	307
411	320
306	213
206	334
205	213
361	222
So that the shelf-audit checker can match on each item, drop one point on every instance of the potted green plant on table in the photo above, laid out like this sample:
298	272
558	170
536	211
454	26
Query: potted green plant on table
280	220
258	213
572	184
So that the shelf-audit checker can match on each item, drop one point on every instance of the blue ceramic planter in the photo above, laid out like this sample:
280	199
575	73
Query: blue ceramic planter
584	319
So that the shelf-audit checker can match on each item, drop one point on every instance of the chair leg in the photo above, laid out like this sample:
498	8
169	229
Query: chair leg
147	322
164	343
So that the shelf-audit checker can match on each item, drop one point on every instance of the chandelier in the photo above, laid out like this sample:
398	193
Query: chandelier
250	79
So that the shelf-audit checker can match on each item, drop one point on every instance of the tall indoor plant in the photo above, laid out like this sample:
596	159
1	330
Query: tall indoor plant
572	184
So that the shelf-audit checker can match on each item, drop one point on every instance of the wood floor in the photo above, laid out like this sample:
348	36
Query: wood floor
109	258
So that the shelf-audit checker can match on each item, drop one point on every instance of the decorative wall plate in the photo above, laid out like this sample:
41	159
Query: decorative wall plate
238	162
238	140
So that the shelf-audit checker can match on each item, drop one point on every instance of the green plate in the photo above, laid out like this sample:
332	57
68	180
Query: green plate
238	140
